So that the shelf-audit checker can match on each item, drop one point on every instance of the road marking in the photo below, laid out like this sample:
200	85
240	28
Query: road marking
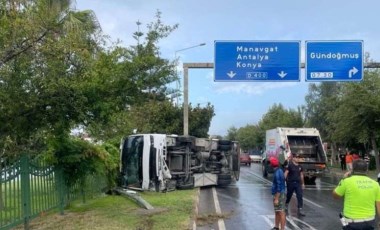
221	225
311	202
321	189
289	220
292	220
266	218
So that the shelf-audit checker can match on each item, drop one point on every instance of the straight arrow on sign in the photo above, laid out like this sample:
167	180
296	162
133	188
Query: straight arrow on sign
231	74
282	74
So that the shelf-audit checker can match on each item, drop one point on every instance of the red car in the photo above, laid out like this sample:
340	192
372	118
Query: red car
245	159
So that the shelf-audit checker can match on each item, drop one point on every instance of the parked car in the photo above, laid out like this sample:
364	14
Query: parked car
245	159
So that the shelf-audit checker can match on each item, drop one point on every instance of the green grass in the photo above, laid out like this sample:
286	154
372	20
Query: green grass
172	210
180	205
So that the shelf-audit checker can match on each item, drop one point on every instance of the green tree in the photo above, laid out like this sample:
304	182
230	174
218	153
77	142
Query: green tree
232	133
46	48
250	137
356	118
278	116
78	158
200	120
56	74
157	117
321	100
128	82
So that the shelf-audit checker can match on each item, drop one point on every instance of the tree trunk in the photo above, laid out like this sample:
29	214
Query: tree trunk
1	191
333	153
374	147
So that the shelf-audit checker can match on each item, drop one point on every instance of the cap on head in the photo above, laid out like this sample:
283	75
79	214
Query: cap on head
274	162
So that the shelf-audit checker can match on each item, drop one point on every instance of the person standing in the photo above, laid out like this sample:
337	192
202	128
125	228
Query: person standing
366	159
355	156
278	192
342	159
349	161
295	183
361	198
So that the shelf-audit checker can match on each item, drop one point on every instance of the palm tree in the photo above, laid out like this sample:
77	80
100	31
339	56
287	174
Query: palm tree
36	19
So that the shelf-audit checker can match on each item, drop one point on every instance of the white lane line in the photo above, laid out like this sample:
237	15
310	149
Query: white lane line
320	189
313	203
290	220
221	225
268	219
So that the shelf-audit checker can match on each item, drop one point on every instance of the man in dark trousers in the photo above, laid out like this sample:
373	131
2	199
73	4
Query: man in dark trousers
342	158
295	182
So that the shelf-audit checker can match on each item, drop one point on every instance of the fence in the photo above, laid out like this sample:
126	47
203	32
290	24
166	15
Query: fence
28	188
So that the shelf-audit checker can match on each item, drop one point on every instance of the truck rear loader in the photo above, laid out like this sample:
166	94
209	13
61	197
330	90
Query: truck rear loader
160	162
306	142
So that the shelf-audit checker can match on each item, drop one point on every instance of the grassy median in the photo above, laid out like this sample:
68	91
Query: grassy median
172	210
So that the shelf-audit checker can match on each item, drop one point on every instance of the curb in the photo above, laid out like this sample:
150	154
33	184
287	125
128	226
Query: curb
340	174
193	224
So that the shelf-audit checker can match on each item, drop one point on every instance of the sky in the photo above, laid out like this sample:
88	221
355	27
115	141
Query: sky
238	104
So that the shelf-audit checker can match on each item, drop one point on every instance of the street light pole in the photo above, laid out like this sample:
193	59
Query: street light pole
201	44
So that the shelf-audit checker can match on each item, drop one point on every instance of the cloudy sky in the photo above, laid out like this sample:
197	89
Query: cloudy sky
240	103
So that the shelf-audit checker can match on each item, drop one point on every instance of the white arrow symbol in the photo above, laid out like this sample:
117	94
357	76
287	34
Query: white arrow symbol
231	74
282	74
352	72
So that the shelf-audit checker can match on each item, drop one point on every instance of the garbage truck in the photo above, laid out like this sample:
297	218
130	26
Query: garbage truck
161	162
282	142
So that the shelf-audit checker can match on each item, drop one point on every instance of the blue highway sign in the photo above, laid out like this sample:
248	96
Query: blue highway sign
334	61
257	61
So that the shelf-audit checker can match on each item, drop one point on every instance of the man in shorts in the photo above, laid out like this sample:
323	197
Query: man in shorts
278	192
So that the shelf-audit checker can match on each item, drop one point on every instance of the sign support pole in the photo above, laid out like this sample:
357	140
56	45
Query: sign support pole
186	67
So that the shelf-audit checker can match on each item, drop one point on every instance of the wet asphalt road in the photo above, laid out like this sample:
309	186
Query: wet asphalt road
247	204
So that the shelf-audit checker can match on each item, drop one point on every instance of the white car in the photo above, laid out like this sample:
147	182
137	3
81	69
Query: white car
256	156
